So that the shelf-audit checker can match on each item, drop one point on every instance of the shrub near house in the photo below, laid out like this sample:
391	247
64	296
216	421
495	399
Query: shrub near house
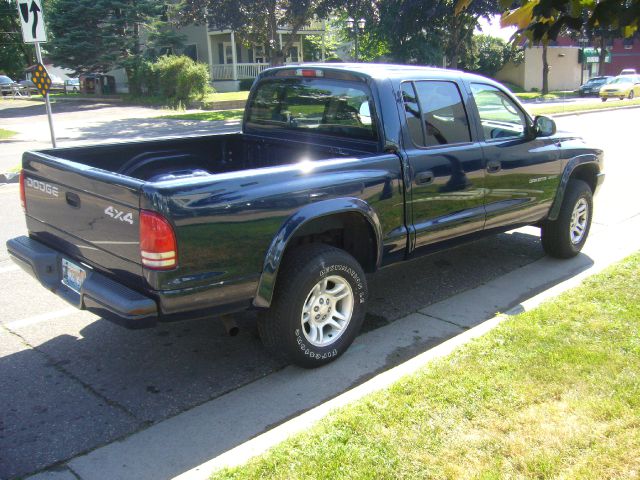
177	79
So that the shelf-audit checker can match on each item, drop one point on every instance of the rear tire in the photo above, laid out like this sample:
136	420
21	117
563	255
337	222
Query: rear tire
318	306
565	236
603	99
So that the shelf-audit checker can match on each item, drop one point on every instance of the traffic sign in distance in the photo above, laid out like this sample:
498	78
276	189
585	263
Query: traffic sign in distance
41	79
32	21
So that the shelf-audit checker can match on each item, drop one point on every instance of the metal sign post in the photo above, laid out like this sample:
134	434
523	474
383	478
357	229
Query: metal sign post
32	20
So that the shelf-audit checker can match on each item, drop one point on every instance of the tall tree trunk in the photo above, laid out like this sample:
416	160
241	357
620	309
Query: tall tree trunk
545	69
602	57
454	43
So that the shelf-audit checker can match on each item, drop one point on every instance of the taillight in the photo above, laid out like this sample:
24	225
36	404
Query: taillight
23	197
157	242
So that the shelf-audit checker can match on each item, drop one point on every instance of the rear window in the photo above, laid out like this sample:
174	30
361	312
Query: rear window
331	107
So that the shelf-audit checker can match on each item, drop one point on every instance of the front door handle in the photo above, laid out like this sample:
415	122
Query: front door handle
424	178
494	166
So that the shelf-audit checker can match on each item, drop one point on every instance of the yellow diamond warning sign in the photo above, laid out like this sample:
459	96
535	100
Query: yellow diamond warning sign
41	79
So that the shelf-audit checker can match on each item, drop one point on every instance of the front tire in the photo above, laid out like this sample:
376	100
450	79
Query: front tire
630	97
603	99
318	307
565	236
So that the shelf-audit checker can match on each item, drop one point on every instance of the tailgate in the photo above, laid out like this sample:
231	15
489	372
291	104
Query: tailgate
87	213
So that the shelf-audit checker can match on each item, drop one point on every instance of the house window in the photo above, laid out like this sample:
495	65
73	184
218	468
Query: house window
293	54
191	51
228	53
258	54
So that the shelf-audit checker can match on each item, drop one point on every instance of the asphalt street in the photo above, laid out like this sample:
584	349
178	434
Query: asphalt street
72	382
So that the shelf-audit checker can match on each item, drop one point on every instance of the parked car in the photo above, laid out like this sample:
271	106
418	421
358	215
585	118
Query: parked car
593	85
339	169
72	85
7	85
628	71
623	86
28	86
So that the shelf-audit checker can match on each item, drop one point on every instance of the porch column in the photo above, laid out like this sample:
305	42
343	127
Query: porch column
301	59
210	55
233	55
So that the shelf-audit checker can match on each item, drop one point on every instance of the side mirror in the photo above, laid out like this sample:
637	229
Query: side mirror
544	126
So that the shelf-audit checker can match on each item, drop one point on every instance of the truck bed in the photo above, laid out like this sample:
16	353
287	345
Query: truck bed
170	159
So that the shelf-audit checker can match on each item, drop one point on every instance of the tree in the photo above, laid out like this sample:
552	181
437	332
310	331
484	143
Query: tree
99	35
257	21
425	31
15	55
489	54
541	19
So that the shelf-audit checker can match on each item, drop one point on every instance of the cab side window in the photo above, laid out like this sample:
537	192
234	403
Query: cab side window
499	115
443	115
435	113
413	114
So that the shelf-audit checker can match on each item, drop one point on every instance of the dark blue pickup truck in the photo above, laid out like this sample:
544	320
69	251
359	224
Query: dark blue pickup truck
339	170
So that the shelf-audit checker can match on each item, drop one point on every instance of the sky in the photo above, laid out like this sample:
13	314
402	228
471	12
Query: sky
492	28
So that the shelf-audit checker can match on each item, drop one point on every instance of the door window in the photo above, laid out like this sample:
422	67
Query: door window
499	115
413	115
443	116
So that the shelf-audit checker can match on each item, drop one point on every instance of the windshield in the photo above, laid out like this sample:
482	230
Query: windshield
622	80
596	81
331	107
4	79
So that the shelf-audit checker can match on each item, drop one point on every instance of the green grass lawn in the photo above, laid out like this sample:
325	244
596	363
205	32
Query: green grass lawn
581	107
6	134
551	393
213	115
549	96
225	97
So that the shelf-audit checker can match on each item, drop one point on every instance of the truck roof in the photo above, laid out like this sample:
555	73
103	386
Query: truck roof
391	71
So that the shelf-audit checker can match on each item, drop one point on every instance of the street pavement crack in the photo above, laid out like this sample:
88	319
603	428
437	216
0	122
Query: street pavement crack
56	365
443	320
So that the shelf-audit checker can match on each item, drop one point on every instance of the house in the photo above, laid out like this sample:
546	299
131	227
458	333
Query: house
231	61
564	69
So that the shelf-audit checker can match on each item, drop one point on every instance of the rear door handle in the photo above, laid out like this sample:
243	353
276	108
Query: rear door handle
493	166
424	178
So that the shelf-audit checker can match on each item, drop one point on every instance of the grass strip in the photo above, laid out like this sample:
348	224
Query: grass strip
214	115
6	134
551	393
581	107
549	96
225	96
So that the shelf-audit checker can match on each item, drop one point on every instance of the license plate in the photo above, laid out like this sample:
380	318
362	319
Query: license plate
73	275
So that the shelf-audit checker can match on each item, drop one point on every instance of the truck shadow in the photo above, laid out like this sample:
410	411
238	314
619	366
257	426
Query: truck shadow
59	107
90	382
132	128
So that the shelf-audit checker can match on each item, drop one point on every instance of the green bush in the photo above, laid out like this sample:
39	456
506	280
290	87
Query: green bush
176	78
246	83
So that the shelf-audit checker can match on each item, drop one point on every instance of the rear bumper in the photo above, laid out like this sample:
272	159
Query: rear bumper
98	294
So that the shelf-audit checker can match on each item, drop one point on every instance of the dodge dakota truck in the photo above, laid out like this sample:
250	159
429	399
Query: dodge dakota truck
338	170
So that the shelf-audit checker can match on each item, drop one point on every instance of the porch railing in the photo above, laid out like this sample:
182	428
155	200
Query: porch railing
245	70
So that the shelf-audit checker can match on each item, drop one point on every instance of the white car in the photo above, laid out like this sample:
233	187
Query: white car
628	71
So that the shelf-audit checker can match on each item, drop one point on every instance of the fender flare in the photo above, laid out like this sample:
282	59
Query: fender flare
314	211
572	164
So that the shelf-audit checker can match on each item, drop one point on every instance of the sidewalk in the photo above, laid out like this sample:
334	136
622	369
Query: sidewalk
240	424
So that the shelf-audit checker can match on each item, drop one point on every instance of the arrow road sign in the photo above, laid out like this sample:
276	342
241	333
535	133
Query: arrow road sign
32	21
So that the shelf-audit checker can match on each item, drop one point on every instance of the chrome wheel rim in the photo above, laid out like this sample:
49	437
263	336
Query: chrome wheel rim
579	220
327	311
